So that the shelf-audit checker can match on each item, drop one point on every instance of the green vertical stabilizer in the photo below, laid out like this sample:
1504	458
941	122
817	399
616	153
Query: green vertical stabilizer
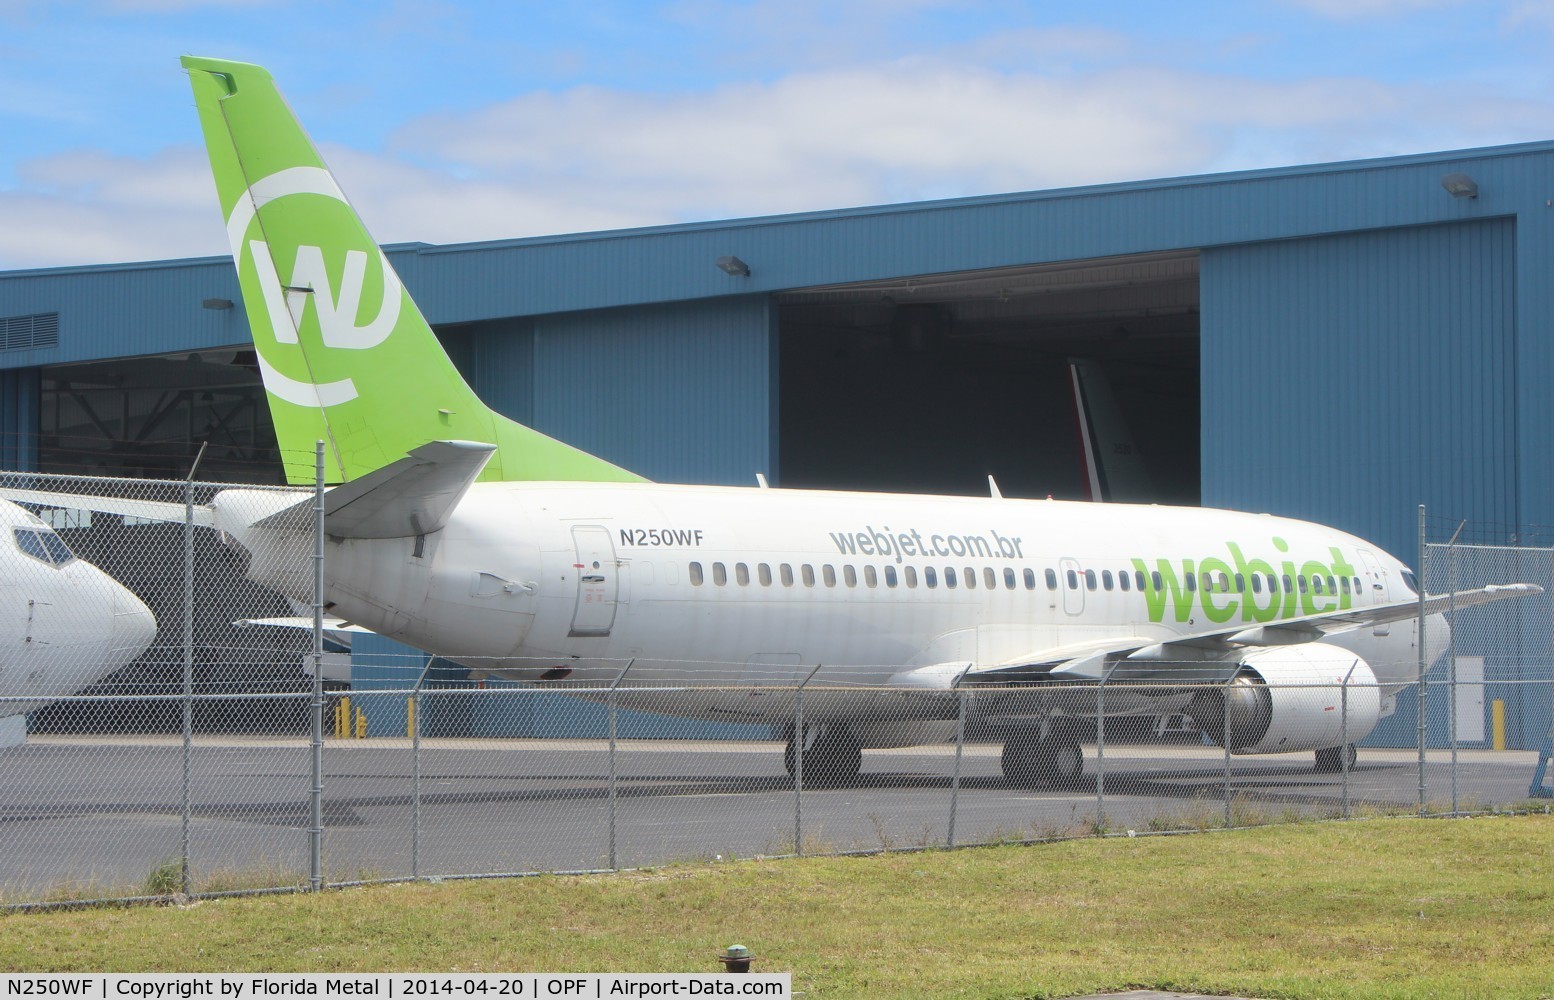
346	356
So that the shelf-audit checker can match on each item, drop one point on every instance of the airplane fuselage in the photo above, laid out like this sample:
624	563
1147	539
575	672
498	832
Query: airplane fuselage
64	623
752	586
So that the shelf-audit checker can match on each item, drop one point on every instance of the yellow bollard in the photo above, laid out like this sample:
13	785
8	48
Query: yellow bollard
343	718
1497	721
409	718
361	724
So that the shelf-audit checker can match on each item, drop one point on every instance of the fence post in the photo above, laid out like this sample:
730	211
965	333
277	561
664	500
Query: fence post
418	706
188	666
1344	732
1100	753
316	802
1224	738
1451	657
1422	691
613	732
960	743
798	763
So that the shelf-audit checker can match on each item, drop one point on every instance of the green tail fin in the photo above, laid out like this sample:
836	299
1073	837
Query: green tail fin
346	356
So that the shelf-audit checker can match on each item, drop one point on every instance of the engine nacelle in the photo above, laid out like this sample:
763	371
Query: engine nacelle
1290	698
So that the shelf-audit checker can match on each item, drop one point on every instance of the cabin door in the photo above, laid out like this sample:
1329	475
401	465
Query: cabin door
597	581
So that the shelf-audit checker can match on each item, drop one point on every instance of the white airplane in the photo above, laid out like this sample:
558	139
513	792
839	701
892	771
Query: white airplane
64	623
465	534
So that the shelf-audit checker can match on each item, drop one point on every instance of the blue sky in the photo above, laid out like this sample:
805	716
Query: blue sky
449	121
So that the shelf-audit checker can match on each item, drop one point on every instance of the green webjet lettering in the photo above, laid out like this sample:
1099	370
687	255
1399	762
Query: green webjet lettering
1221	605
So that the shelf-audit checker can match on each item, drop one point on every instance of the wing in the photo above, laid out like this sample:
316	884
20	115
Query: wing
1207	656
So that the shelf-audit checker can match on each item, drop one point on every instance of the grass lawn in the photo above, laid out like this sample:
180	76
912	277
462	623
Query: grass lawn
1375	908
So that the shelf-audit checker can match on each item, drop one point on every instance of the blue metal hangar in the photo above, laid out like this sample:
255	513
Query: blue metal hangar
1340	342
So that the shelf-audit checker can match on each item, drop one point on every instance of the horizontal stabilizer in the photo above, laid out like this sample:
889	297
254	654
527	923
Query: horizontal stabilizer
412	496
331	623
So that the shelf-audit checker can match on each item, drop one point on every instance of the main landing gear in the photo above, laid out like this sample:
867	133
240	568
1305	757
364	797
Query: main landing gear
1331	759
1032	762
832	755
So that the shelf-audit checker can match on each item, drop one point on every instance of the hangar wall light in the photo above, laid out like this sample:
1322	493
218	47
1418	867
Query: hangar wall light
217	303
1460	186
734	266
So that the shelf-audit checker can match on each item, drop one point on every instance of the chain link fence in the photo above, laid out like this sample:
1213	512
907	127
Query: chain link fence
228	758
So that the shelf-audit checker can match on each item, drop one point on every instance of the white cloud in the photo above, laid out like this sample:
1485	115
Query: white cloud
594	158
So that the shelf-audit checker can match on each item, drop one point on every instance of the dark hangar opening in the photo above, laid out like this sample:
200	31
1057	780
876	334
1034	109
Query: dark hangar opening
931	383
146	417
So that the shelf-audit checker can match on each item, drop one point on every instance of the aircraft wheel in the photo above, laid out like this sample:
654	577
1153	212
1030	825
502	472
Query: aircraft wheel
832	755
1067	763
1030	762
1331	759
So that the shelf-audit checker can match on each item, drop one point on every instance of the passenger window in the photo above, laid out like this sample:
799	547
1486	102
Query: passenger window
786	573
1009	578
1316	584
1157	581
764	574
971	578
1073	580
1289	585
1300	581
949	577
809	575
990	578
1052	579
1106	579
1273	584
742	574
1332	585
828	573
1224	583
929	580
1030	579
910	573
870	577
1138	580
719	574
1357	586
694	572
1124	579
1192	581
850	576
890	576
1240	584
1257	583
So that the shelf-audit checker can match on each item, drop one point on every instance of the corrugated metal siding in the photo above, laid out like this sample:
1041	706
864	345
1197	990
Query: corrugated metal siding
502	369
1349	379
675	393
111	312
20	389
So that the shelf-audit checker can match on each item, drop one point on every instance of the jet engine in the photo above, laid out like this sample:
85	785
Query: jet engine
1290	698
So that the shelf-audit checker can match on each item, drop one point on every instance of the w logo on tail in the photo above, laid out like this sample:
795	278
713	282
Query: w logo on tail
286	305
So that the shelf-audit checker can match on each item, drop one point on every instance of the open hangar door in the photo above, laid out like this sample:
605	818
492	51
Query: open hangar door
931	383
